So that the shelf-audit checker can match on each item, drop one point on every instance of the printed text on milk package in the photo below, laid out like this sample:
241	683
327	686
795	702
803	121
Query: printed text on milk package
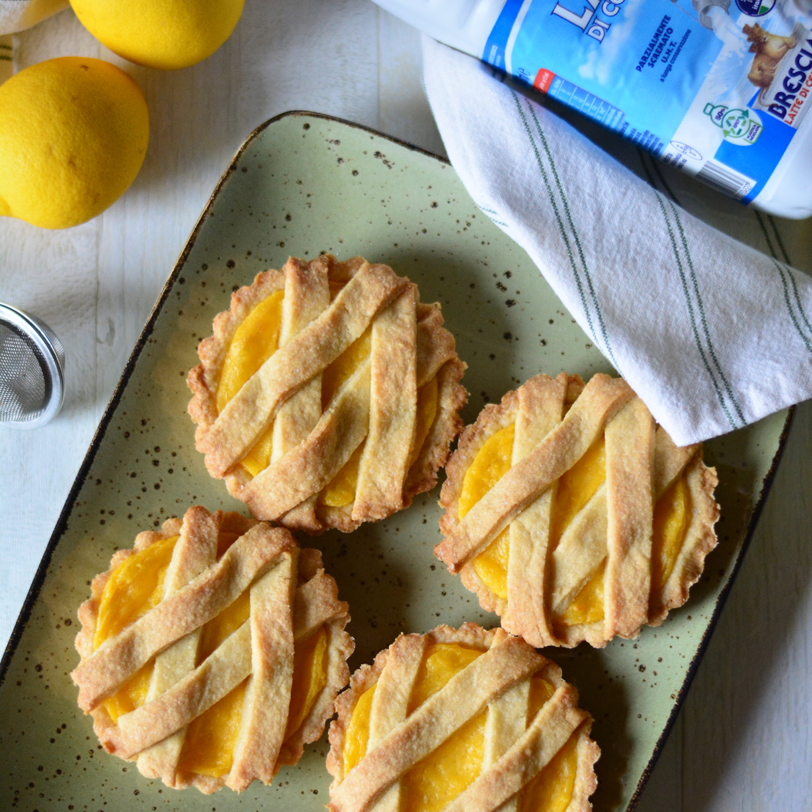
717	89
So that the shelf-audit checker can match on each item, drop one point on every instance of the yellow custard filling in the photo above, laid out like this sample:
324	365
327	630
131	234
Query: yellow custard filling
256	340
440	777
491	463
134	587
572	491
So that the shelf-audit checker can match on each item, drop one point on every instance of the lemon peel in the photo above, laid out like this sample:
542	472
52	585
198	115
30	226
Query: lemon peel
166	34
73	135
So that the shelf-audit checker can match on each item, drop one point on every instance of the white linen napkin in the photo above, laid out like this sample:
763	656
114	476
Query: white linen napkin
16	15
711	333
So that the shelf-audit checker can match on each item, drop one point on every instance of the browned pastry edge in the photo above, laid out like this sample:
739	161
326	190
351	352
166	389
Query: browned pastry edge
690	563
473	635
700	536
203	382
340	647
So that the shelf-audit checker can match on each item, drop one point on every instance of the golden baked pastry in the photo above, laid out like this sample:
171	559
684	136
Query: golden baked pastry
212	652
461	720
572	515
328	394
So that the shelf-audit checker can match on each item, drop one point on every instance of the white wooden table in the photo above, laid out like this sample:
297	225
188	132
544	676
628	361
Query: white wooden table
742	741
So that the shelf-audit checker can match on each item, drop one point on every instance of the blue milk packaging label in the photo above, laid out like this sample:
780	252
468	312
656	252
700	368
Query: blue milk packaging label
717	88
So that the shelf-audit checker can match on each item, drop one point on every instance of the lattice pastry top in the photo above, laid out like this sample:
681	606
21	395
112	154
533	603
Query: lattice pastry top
572	515
460	720
212	652
328	394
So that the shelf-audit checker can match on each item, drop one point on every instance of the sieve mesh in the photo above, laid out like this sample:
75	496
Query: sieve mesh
24	382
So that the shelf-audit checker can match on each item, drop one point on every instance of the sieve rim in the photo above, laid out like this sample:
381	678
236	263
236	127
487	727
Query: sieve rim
52	356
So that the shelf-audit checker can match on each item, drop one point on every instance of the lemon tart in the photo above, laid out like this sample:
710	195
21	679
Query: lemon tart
212	651
459	720
328	395
572	515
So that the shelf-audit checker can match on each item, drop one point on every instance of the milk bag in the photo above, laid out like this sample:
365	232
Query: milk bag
719	89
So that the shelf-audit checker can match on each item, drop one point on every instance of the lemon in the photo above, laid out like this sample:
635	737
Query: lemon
73	135
164	34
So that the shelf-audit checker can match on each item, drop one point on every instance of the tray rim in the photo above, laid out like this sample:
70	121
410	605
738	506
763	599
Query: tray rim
60	527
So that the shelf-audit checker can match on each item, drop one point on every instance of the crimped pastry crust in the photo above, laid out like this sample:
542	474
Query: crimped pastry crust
286	491
322	602
474	636
702	482
644	450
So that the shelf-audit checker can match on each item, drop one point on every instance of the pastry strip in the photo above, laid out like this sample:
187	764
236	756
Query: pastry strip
195	551
669	460
253	408
601	398
434	346
582	548
390	703
267	697
314	604
580	551
548	733
393	410
307	294
222	671
541	407
118	658
630	509
431	455
505	724
312	464
435	720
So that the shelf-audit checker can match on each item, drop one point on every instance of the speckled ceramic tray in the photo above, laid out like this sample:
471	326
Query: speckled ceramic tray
303	184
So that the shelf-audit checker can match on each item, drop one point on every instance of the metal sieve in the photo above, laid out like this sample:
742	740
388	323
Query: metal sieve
32	376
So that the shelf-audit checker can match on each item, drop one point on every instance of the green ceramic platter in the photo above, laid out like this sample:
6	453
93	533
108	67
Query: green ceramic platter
303	184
